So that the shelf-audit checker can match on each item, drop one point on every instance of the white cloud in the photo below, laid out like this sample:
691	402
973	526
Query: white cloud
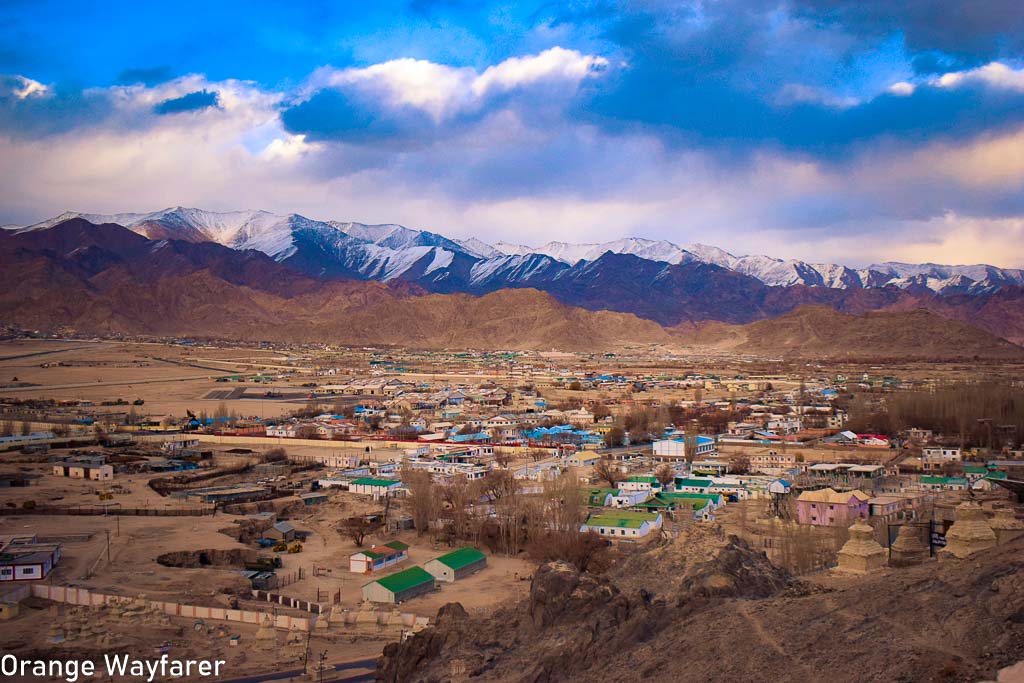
555	64
995	74
22	87
443	91
902	88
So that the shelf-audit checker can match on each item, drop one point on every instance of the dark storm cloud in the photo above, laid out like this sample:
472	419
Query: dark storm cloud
193	101
973	31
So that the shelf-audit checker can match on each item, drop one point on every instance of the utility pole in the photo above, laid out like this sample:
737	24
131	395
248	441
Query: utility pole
108	545
323	656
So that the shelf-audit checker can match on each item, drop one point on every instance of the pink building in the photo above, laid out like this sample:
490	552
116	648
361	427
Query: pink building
827	507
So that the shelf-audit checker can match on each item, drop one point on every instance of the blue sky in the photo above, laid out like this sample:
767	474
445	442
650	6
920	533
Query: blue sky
817	129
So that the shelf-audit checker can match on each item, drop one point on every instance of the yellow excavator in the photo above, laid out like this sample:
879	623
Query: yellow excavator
295	548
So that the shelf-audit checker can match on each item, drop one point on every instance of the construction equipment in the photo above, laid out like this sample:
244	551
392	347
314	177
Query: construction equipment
281	547
106	495
295	548
263	564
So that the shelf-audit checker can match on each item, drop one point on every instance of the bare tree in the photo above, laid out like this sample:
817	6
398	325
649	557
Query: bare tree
605	470
614	437
664	474
358	528
739	465
422	497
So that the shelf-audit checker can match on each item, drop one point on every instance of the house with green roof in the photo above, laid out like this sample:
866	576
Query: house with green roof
599	498
701	505
457	564
373	486
717	500
623	525
378	557
943	483
987	483
691	485
399	587
646	483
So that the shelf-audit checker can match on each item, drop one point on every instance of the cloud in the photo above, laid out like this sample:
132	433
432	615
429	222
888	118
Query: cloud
788	127
404	99
968	31
193	101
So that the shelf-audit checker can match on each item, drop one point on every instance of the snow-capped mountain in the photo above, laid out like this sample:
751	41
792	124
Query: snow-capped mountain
386	252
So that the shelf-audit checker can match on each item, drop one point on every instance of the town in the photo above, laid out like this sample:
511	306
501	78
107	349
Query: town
307	500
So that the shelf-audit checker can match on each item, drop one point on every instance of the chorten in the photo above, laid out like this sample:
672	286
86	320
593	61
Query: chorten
862	553
908	548
1006	525
970	532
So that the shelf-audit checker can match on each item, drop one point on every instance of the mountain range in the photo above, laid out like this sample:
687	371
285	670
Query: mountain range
314	271
386	252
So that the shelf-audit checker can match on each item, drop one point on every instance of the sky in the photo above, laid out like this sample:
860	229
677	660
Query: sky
849	131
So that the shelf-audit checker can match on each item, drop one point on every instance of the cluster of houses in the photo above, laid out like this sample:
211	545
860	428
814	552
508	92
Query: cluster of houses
636	507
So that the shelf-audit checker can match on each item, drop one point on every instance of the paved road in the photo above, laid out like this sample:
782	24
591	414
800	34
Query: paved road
370	664
82	385
46	353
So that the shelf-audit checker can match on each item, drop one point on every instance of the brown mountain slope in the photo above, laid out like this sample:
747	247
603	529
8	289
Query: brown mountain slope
822	332
105	279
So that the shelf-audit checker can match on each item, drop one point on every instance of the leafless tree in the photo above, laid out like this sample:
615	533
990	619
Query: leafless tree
664	474
605	470
358	528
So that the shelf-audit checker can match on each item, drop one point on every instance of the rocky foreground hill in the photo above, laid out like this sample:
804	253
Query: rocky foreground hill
705	608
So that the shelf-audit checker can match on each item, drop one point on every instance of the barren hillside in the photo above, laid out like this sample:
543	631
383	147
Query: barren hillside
725	613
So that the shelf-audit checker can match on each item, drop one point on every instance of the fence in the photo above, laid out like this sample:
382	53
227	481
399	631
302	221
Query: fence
85	597
97	510
285	601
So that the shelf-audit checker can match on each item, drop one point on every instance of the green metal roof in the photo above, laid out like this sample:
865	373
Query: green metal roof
944	480
614	520
405	579
703	483
622	518
644	479
397	545
463	557
676	495
371	481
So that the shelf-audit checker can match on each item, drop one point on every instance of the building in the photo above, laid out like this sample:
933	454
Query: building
827	507
674	449
622	525
23	558
83	470
691	485
457	564
378	557
583	459
282	531
888	508
371	486
313	497
399	587
941	454
943	483
772	460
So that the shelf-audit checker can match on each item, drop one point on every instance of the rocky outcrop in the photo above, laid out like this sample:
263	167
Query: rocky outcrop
708	607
